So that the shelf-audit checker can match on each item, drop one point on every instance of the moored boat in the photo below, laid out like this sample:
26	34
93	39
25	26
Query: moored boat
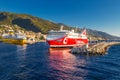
15	38
65	38
14	41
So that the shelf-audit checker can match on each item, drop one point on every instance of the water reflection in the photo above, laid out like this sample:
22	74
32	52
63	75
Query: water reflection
66	64
20	72
21	51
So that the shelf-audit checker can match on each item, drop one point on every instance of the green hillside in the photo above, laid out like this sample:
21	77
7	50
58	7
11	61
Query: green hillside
35	24
28	22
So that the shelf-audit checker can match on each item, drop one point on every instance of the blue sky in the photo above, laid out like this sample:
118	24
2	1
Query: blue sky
102	15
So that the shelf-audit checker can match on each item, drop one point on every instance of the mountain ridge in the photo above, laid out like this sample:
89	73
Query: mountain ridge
36	24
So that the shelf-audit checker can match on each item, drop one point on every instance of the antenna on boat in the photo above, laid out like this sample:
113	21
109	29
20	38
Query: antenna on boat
61	27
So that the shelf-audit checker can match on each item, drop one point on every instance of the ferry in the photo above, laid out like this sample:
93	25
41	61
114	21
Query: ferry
66	38
16	38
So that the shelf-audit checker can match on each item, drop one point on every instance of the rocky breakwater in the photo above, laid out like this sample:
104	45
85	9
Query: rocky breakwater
99	48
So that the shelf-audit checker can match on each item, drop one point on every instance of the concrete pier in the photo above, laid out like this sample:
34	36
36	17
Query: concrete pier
99	48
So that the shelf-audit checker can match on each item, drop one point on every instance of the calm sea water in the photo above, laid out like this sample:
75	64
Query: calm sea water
38	62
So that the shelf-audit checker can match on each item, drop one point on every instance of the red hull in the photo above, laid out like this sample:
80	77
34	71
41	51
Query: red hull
65	38
66	42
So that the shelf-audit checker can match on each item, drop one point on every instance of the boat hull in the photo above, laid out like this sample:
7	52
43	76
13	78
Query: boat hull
67	42
14	41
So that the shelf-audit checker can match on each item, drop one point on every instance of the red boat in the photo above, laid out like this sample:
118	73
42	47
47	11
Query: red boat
65	38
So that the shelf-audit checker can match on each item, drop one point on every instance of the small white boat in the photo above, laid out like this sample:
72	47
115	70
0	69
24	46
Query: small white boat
31	40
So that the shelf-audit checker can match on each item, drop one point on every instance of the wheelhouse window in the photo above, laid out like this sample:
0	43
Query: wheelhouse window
56	35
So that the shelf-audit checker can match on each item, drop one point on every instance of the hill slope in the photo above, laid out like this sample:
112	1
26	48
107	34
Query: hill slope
104	35
36	24
28	22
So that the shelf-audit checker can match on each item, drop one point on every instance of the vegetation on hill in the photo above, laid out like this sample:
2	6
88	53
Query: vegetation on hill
28	22
35	24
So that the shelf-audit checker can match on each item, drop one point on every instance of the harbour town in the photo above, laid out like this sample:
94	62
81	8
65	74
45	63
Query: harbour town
36	49
15	34
60	40
8	33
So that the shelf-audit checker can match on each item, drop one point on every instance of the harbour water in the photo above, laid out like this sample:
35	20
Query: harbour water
39	62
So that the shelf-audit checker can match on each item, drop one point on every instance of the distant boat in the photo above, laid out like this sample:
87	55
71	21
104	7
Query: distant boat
65	38
16	38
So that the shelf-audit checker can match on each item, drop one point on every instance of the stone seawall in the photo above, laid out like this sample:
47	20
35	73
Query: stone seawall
99	48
